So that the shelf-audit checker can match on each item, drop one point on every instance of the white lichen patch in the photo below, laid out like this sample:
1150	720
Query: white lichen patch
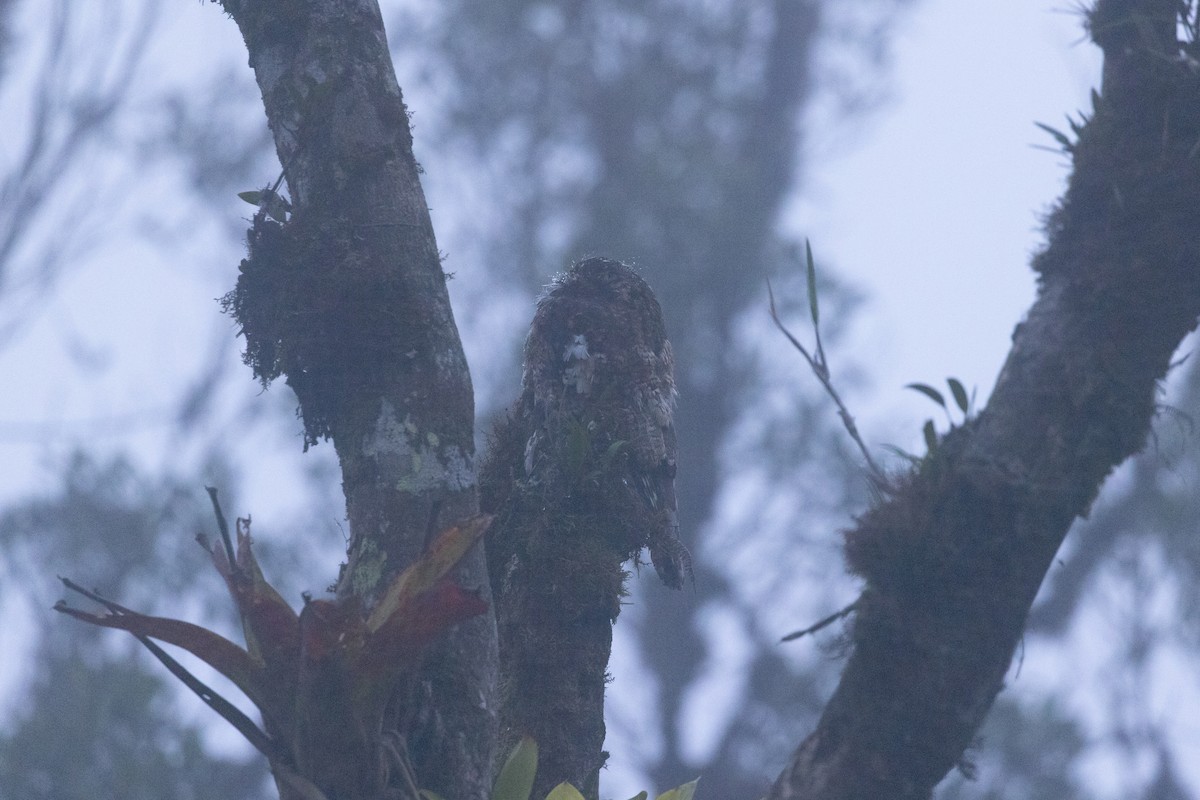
368	569
415	462
315	74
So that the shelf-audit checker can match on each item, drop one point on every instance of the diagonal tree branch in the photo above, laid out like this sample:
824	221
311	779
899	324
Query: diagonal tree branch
954	555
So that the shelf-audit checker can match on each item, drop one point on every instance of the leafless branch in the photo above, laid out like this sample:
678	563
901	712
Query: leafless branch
45	200
820	367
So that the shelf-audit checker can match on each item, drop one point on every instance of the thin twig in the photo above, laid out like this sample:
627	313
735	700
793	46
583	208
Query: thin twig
223	526
820	368
115	609
832	618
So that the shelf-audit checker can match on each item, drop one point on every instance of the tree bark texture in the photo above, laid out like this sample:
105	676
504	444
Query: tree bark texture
954	554
558	585
347	300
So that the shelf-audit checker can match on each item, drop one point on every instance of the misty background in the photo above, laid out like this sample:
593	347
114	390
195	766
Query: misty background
703	141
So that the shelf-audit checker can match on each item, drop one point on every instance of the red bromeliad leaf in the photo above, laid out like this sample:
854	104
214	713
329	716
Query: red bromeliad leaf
443	555
224	656
331	626
321	679
411	628
420	603
422	619
333	731
271	628
270	625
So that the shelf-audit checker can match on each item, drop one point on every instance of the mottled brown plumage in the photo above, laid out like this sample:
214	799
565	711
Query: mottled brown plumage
598	396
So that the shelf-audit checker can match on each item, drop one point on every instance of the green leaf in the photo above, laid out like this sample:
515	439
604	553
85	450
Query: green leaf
931	437
896	451
299	785
270	201
515	780
684	792
960	394
277	207
565	791
812	283
1063	140
930	392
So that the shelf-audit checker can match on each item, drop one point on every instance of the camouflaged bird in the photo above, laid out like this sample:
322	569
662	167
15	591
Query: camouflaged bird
598	395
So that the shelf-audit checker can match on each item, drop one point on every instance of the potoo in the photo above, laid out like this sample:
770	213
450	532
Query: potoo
598	401
580	475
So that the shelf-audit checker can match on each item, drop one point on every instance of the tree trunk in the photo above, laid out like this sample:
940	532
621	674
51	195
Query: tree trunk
956	552
348	300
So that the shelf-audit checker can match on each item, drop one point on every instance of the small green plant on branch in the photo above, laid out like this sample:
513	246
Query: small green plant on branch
964	402
817	360
516	777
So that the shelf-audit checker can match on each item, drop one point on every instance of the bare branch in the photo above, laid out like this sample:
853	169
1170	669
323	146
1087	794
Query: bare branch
820	368
79	89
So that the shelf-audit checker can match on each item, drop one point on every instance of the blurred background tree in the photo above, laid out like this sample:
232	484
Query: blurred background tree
97	719
664	132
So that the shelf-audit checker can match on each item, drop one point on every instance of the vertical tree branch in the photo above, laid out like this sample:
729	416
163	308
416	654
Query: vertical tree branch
347	299
955	554
580	476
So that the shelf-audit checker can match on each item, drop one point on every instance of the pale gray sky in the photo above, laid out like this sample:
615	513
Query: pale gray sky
932	211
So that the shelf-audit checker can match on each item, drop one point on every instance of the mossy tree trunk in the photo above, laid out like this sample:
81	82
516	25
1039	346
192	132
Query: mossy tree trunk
954	555
347	300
